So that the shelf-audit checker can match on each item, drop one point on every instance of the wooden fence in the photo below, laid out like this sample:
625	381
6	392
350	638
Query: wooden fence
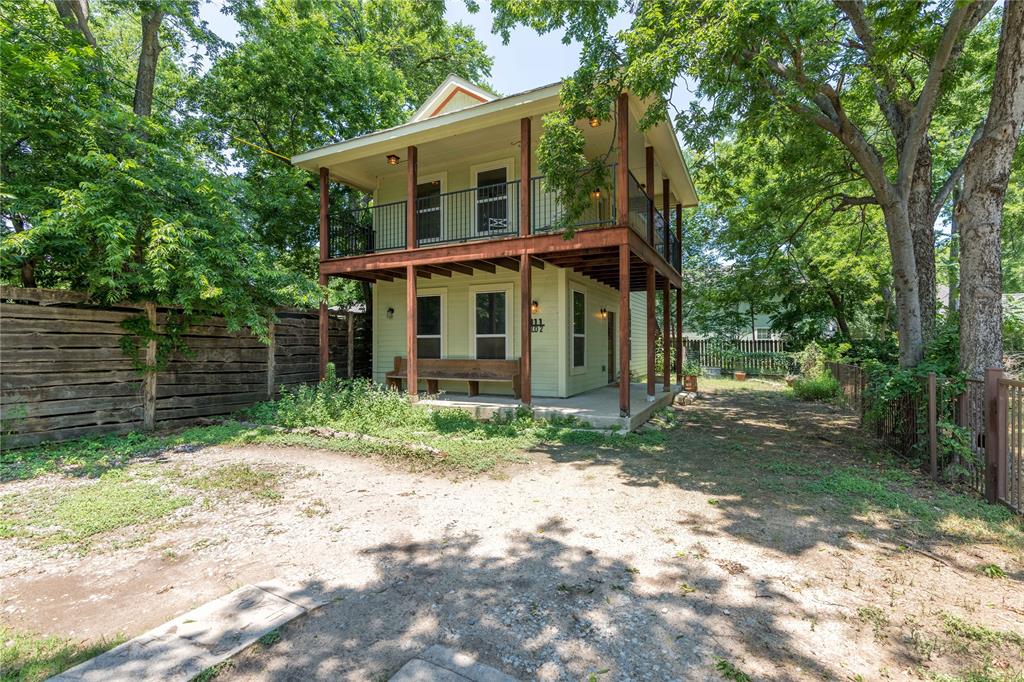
988	415
63	373
767	357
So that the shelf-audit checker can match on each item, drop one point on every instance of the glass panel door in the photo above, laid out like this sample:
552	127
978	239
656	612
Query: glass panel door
428	211
492	201
491	336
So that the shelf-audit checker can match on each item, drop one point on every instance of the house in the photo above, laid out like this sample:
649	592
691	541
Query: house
474	284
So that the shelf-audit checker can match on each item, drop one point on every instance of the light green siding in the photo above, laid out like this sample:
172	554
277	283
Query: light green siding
638	334
552	347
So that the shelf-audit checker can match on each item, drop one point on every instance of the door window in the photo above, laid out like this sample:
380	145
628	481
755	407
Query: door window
491	336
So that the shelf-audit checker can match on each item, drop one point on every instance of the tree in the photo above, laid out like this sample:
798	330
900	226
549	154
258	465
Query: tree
871	76
979	212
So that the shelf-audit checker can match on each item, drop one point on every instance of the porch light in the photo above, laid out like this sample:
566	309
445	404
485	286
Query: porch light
393	159
596	194
595	122
391	313
535	307
603	313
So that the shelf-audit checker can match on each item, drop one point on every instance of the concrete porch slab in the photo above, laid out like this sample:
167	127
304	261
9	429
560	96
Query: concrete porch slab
599	408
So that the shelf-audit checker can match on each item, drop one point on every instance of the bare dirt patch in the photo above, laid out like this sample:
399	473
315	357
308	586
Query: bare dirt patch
762	535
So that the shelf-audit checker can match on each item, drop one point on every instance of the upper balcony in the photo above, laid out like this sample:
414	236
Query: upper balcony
487	212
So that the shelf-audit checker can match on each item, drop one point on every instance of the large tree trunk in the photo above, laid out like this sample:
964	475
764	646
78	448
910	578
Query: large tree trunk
75	14
953	269
980	210
145	77
839	310
904	282
922	226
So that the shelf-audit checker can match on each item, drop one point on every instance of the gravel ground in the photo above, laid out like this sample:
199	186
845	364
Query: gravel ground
604	563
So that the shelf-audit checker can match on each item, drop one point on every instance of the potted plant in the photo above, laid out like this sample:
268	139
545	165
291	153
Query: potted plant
691	370
739	375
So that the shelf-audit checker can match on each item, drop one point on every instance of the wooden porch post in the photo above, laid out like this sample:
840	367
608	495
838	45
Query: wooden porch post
410	197
525	274
412	371
680	351
649	188
622	165
665	215
325	216
652	332
624	350
666	336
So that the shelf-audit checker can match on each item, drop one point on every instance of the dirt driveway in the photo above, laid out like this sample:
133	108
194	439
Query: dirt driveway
759	539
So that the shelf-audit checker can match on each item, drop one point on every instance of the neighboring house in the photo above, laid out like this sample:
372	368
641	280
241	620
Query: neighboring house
475	269
761	330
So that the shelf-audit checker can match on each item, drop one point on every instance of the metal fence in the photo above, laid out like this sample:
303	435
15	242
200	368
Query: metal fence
970	434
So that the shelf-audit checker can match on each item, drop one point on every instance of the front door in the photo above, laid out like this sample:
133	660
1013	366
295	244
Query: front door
428	211
611	348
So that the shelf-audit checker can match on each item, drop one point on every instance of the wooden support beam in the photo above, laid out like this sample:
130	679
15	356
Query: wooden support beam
525	346
410	331
666	215
652	332
666	334
325	212
622	164
410	193
680	349
437	270
394	274
420	272
482	265
624	351
510	263
536	262
649	188
324	332
460	268
525	153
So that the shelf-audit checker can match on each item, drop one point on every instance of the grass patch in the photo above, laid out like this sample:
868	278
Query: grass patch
261	483
891	490
28	658
76	515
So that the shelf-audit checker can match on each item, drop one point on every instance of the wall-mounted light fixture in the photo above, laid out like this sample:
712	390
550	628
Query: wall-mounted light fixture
603	313
595	122
393	159
535	308
391	313
596	194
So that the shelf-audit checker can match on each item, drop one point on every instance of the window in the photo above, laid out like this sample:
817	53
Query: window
428	211
492	200
490	325
762	334
428	326
579	329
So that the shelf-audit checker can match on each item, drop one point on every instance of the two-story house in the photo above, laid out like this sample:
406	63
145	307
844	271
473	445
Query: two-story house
474	283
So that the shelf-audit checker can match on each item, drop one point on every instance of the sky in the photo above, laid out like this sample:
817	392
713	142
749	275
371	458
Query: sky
528	61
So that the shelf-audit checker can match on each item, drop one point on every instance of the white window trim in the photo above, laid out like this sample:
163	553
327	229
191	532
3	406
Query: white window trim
509	165
491	289
442	293
768	334
573	369
442	178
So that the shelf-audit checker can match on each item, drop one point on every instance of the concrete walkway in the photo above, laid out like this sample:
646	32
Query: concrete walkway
186	646
441	664
599	407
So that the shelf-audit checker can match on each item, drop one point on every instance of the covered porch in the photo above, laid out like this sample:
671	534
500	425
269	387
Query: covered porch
598	408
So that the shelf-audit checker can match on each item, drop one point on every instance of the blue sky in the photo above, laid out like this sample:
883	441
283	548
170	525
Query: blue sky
529	60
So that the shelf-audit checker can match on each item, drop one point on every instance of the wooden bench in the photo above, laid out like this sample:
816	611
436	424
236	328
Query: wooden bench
471	371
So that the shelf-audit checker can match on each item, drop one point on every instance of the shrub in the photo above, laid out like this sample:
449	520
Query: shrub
819	387
691	368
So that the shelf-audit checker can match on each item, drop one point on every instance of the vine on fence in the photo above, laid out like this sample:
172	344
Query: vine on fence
169	342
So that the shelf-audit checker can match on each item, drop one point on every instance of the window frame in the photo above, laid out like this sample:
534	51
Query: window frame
505	289
442	231
573	334
442	294
474	171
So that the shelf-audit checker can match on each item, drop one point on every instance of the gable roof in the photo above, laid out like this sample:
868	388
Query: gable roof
441	100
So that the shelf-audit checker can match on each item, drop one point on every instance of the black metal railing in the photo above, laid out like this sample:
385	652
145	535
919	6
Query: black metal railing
489	212
476	213
366	229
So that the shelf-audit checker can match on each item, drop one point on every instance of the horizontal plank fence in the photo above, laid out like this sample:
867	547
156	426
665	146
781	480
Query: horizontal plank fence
985	418
64	375
766	357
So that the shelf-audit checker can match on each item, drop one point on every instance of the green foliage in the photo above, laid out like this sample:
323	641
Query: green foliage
691	368
820	387
730	672
34	658
568	173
